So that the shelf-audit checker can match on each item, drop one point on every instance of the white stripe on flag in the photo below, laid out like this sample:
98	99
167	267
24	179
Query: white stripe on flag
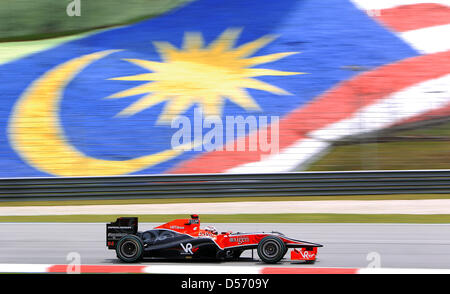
418	99
429	40
301	152
385	4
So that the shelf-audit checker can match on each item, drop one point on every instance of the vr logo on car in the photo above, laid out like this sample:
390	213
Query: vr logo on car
188	248
306	254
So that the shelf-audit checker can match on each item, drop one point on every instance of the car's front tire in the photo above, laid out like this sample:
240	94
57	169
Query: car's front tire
271	249
130	248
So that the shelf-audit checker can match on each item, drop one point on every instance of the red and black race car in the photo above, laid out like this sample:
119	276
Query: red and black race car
184	239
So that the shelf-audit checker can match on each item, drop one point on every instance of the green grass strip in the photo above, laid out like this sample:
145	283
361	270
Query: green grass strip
246	218
22	20
403	154
226	199
11	51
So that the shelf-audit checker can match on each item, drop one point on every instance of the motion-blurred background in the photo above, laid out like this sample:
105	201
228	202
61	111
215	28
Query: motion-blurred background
357	85
250	91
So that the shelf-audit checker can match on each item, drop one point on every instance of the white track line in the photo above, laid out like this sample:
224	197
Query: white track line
425	206
215	269
23	268
409	271
202	269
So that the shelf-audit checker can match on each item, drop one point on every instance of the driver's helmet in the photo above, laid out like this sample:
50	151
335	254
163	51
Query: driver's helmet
211	229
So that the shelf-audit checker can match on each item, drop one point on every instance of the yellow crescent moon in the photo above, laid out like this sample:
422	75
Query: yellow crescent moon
35	130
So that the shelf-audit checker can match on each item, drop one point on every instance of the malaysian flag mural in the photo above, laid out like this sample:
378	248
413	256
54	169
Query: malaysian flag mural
289	78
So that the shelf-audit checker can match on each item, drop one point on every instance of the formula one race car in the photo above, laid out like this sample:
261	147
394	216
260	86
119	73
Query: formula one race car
184	239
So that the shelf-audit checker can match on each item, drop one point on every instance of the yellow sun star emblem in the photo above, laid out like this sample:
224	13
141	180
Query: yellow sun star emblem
203	75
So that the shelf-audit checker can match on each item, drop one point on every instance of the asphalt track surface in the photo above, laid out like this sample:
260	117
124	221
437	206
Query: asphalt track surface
345	245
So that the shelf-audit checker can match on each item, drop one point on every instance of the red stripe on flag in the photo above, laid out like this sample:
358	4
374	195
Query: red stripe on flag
311	270
64	268
337	104
412	17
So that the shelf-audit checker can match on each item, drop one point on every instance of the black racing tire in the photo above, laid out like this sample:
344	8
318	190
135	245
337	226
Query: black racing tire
271	249
130	248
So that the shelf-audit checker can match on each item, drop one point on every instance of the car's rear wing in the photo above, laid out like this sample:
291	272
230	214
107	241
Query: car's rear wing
121	227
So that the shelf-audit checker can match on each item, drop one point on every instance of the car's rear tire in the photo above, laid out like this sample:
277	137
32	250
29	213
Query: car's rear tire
130	248
271	249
